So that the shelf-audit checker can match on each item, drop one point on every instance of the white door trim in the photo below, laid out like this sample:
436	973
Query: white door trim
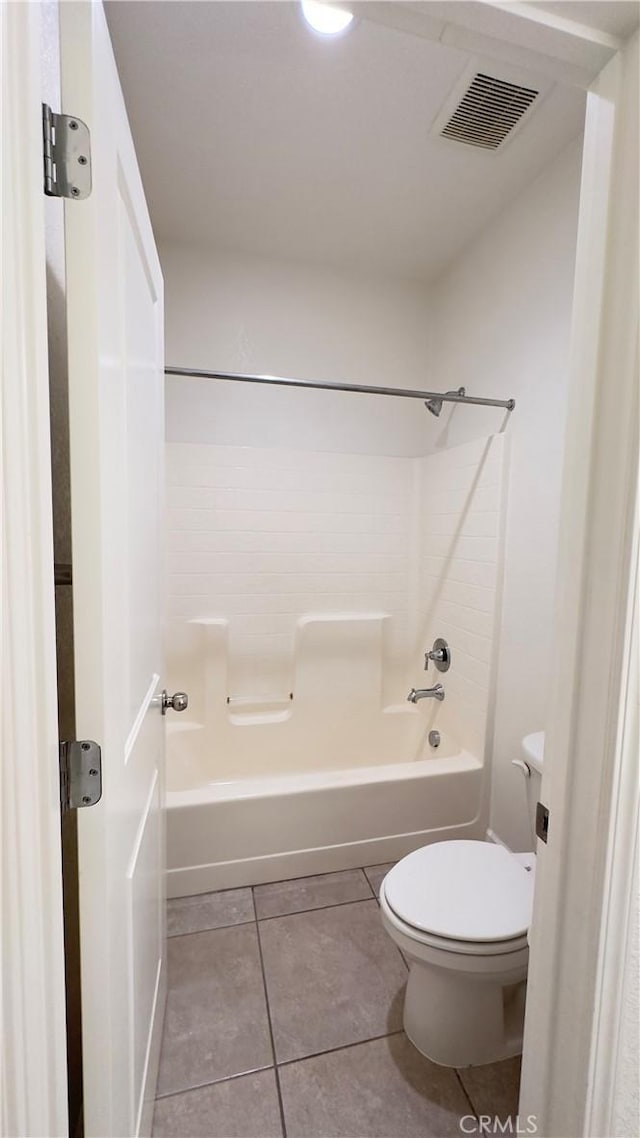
569	998
33	1073
609	1065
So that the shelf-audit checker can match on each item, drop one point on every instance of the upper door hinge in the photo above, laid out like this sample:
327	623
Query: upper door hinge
80	774
66	145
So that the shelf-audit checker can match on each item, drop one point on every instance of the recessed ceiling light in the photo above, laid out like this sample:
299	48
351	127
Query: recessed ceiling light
327	19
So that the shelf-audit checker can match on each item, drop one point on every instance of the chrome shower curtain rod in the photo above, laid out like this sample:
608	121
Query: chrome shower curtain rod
433	399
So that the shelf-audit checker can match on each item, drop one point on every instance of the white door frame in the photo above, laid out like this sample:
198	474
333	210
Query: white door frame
565	1078
590	783
33	1088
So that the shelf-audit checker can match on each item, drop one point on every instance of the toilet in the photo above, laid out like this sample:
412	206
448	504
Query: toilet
460	912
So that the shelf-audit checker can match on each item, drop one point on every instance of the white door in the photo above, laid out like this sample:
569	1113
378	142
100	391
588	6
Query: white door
115	331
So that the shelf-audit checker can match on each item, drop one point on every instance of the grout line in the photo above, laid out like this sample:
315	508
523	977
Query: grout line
305	513
305	877
214	1082
255	918
273	1046
390	554
309	876
364	874
212	928
317	908
209	892
320	550
383	572
398	496
455	628
402	956
277	916
466	1093
341	1047
431	556
172	530
292	610
305	573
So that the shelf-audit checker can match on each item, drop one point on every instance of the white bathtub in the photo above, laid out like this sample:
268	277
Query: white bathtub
336	773
245	831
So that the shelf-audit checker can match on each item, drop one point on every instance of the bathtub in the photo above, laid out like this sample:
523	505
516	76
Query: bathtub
245	831
331	773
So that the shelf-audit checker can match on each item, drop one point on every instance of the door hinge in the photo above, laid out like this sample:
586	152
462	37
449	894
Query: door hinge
542	821
66	147
80	774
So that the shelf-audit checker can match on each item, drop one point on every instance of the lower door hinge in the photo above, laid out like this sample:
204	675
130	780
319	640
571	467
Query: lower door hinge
542	821
80	774
66	147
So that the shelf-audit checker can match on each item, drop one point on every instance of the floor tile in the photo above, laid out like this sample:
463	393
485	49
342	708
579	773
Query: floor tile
282	897
216	1021
375	874
246	1107
495	1088
209	911
333	977
381	1088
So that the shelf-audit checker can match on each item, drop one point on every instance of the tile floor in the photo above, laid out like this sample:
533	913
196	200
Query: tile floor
284	1020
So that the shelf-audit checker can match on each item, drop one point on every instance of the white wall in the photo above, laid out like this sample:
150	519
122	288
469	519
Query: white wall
503	318
244	314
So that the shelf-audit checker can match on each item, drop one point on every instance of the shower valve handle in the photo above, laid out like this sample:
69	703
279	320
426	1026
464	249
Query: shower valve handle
440	654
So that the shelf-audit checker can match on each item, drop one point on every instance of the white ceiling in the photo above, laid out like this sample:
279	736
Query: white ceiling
255	135
614	17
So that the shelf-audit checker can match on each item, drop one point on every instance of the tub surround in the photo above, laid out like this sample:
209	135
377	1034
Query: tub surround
298	618
328	710
264	536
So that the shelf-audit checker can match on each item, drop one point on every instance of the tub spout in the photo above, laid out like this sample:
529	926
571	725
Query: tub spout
436	692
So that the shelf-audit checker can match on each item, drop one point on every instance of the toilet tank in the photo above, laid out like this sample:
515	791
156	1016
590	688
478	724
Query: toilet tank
533	755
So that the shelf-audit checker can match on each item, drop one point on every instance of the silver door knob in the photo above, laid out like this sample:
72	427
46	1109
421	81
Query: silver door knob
177	702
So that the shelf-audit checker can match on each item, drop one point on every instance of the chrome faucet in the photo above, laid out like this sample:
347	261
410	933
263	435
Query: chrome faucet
436	692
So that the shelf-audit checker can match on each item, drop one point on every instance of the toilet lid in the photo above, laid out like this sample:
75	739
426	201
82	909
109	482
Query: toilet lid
473	891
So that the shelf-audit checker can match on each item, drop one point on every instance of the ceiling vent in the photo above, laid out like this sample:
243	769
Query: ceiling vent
488	112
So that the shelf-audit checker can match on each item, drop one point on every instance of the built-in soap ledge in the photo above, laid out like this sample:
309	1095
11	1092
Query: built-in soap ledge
210	621
341	617
259	700
254	711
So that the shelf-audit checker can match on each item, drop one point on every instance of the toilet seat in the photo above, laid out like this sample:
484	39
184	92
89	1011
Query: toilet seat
462	896
481	950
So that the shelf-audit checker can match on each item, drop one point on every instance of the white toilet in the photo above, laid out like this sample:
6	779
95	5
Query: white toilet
460	913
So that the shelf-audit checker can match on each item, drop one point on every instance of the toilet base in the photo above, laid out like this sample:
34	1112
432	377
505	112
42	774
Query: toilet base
459	1021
